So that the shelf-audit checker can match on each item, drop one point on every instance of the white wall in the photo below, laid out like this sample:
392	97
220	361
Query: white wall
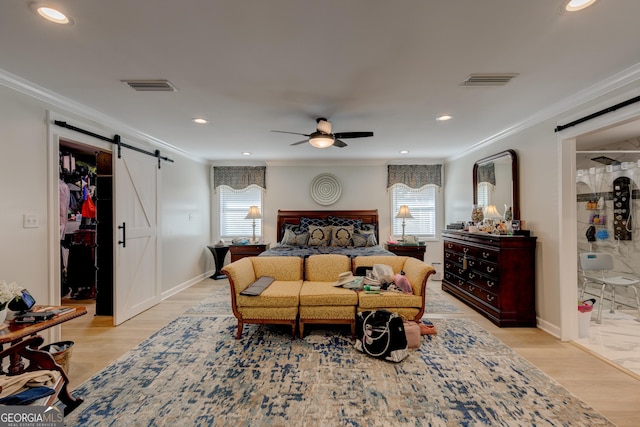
24	186
364	186
23	189
186	222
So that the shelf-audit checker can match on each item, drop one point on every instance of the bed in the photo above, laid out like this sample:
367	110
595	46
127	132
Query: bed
303	233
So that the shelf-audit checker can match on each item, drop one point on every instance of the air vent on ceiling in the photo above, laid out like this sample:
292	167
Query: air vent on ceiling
496	79
150	85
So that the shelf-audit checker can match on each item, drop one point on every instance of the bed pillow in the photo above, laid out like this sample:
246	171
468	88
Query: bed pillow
342	235
305	222
337	221
295	237
359	240
319	236
369	232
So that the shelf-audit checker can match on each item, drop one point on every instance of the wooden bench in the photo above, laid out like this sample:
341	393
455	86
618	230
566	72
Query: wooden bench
27	350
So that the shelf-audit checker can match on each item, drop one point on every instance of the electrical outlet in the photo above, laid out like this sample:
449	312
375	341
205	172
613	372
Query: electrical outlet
30	221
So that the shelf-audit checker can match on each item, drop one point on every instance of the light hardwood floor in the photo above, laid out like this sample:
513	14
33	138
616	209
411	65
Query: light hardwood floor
612	392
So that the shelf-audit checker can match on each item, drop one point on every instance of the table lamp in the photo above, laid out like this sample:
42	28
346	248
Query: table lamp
404	213
254	213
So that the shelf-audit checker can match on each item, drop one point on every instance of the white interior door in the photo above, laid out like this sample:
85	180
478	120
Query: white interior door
137	286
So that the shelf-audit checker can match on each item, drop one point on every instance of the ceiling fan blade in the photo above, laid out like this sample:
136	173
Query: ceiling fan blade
300	142
346	135
293	133
338	143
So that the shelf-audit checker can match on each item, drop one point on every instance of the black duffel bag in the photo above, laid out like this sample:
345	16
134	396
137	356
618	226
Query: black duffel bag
380	334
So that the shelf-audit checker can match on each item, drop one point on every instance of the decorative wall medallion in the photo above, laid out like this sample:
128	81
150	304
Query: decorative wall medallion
326	189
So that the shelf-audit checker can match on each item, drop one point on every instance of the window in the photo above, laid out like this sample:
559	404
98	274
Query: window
234	207
421	203
484	194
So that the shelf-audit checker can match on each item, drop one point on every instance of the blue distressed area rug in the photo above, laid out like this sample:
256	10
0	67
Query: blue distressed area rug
219	304
194	372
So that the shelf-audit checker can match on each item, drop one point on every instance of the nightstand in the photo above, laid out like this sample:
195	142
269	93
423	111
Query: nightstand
250	249
415	251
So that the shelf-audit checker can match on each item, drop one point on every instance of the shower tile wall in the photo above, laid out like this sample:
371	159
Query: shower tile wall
594	182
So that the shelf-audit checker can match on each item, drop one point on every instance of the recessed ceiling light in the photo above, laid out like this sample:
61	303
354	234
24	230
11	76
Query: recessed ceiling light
576	5
51	14
200	121
444	118
246	153
404	151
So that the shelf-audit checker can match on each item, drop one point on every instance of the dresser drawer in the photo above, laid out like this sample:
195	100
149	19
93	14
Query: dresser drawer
482	294
489	283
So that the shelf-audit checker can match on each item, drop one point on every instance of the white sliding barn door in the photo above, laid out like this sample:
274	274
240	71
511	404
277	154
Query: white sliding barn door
137	285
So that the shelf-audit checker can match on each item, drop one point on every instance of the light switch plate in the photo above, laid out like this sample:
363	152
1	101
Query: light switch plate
30	221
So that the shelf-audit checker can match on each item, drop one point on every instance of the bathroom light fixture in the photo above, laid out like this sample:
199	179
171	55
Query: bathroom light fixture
576	5
254	213
321	141
444	118
200	120
404	213
51	14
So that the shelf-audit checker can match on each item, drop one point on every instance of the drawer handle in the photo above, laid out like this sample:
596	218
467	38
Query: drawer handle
485	255
465	250
491	283
490	269
490	298
472	288
449	245
460	271
472	276
460	283
472	263
447	255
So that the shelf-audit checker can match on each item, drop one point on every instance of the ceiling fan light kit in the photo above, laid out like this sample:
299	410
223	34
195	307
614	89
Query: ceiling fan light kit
323	138
321	141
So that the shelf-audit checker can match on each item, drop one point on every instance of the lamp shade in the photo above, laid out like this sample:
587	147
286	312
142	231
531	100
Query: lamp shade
404	212
491	212
254	213
321	141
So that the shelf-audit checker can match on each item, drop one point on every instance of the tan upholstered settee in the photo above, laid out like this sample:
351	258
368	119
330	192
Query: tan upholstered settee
307	295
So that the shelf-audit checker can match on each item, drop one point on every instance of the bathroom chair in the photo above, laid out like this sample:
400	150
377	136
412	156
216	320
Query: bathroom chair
602	263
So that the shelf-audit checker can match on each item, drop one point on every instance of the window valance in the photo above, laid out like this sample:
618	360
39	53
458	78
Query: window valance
414	176
239	177
487	173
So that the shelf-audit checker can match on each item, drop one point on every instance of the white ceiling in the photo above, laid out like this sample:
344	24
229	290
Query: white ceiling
251	66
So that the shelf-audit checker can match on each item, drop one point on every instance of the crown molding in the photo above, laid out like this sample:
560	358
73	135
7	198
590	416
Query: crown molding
56	100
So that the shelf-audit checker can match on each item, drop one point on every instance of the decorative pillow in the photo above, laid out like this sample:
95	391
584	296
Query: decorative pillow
336	221
305	223
370	233
359	240
319	236
294	237
341	235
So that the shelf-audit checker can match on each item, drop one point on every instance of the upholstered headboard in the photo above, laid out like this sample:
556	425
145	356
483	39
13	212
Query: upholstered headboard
368	216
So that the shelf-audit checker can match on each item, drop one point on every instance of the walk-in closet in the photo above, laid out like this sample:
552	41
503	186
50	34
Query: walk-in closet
86	233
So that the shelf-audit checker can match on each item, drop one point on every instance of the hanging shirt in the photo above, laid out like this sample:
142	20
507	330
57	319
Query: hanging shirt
65	196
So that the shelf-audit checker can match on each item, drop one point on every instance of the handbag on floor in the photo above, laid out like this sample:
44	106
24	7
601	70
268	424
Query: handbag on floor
381	334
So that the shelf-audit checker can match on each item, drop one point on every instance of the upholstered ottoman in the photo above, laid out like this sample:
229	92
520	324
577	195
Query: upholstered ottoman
320	301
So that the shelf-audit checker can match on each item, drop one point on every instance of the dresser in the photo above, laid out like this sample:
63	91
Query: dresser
493	274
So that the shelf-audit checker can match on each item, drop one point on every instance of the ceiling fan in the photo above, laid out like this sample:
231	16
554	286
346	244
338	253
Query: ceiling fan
323	138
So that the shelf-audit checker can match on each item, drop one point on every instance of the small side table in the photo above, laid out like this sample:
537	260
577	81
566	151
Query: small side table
250	249
218	252
415	251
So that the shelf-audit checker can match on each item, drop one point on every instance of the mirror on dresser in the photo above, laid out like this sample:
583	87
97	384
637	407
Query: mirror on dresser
495	182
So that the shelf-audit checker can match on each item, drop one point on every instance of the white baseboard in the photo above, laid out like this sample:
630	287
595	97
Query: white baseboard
549	328
184	285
